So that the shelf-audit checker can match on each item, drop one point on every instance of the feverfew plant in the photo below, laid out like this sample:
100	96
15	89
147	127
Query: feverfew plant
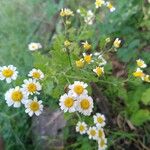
74	62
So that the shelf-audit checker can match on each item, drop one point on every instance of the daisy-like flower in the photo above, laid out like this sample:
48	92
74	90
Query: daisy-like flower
110	6
99	3
8	73
99	120
86	45
141	63
138	73
101	133
15	97
34	107
85	105
78	88
117	43
87	58
102	144
92	132
67	103
146	78
36	74
31	86
99	71
66	12
34	46
80	63
81	127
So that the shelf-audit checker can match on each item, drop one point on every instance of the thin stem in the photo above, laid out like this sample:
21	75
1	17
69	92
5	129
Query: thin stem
78	116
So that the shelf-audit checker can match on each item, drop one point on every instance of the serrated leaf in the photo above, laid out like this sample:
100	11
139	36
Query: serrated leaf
139	117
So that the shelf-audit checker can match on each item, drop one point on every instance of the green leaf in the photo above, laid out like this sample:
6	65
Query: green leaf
146	97
140	117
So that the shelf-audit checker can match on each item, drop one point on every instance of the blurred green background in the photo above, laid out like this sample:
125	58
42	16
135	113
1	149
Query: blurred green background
25	21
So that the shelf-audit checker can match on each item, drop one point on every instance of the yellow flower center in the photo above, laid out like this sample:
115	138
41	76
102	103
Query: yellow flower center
85	104
88	58
138	74
36	75
110	6
117	43
34	106
34	46
80	63
7	73
99	71
32	87
99	3
140	63
100	120
87	46
102	143
100	133
147	78
78	89
81	128
69	102
93	132
17	96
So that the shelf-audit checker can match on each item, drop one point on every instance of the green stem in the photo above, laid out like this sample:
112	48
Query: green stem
78	116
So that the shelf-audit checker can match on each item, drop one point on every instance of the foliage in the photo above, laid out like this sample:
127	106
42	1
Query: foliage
130	22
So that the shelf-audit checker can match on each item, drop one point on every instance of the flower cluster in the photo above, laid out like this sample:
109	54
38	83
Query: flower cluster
89	58
66	12
95	132
139	72
100	3
26	93
77	99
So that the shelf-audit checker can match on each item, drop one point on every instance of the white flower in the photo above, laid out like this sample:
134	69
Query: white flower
15	97
85	105
99	120
78	88
8	73
101	133
78	11
139	73
102	144
36	74
34	46
110	6
99	71
67	103
34	107
99	3
117	43
87	58
141	63
146	78
92	132
31	86
81	127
